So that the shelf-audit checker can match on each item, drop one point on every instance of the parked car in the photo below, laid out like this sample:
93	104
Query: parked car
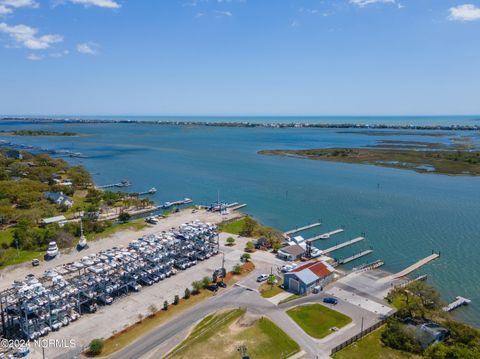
222	284
213	287
262	278
35	262
330	300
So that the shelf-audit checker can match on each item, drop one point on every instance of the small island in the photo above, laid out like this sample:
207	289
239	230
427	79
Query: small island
37	133
449	162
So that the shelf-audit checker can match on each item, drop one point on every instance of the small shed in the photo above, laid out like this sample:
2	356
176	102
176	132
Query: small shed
291	253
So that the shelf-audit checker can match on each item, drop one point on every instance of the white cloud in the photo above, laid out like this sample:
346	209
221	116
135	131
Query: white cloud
7	6
363	3
88	48
59	54
26	36
34	57
4	10
110	4
466	12
223	13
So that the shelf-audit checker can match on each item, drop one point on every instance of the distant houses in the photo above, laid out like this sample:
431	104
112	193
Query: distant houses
306	277
58	198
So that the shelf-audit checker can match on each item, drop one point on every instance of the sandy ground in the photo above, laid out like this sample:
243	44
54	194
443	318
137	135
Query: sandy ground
18	272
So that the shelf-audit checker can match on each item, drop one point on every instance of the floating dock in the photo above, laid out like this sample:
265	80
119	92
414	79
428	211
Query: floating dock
152	190
342	245
355	256
414	267
238	206
177	203
459	301
325	235
287	234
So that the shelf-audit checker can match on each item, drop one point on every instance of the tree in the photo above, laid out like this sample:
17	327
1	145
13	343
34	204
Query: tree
96	346
206	281
230	241
250	247
397	336
124	217
165	305
238	269
246	257
276	246
176	299
197	286
249	227
187	293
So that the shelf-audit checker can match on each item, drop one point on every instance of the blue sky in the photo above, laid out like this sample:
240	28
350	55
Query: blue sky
240	57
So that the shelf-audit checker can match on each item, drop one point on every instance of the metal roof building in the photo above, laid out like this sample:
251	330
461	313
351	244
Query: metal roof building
302	279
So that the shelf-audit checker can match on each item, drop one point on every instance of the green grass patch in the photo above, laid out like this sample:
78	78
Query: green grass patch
268	290
372	348
317	320
235	227
290	298
135	225
6	236
221	334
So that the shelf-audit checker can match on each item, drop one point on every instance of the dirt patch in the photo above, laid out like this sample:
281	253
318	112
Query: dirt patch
245	321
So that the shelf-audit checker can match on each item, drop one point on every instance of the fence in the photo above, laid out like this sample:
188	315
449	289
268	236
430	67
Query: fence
358	336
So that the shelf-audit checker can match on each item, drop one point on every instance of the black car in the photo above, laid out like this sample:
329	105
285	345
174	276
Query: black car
213	287
222	284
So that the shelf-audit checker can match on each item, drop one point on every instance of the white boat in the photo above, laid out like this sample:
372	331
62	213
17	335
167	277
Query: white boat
82	243
52	250
152	190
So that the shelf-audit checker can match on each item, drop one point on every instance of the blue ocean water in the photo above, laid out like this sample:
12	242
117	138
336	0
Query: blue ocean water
404	215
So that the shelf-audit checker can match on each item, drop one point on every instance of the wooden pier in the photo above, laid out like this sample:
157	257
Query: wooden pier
342	245
325	235
355	256
238	206
120	184
414	267
459	301
287	234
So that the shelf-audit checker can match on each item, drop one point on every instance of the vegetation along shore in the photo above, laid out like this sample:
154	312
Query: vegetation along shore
463	163
34	133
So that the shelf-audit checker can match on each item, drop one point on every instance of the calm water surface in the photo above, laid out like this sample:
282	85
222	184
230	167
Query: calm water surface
405	215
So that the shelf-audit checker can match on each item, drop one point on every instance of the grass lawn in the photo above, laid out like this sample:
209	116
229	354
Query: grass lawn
316	319
224	332
135	225
235	227
372	348
268	291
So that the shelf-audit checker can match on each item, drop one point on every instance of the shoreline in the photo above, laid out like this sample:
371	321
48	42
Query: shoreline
246	124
